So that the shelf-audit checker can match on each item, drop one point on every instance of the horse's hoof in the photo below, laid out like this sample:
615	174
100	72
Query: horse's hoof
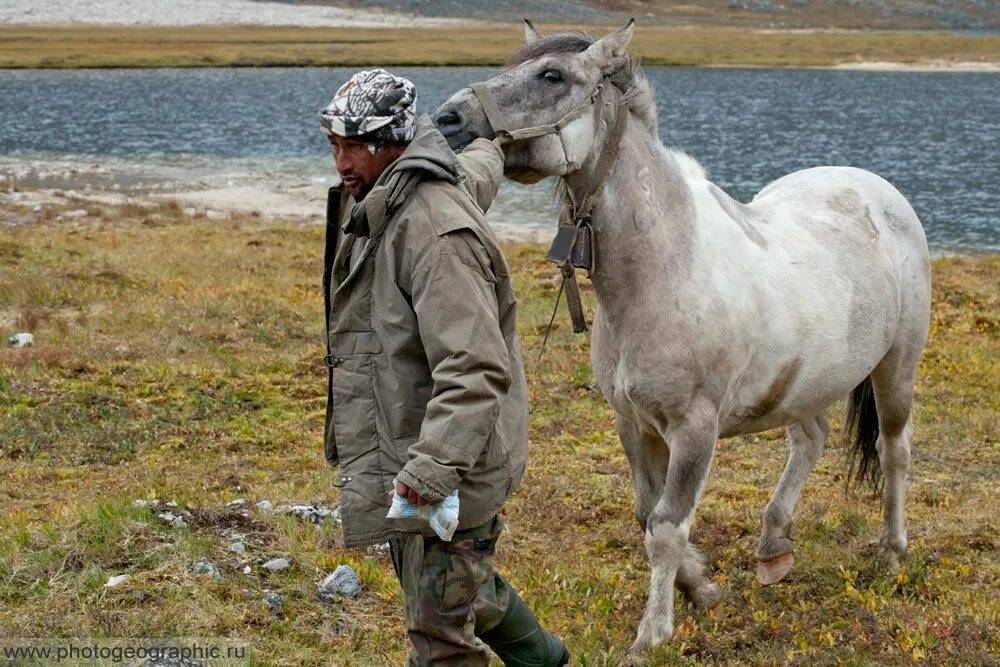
890	561
891	553
772	571
650	635
707	597
631	659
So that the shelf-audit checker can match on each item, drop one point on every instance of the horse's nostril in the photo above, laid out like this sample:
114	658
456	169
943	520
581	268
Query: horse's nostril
448	117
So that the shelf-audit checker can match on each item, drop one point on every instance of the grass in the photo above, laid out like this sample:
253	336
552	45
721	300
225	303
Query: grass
213	46
181	359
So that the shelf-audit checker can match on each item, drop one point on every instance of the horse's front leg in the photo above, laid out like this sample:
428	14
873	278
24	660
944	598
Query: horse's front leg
692	444
648	458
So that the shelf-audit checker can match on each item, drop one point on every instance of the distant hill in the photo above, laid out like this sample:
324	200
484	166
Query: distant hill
850	14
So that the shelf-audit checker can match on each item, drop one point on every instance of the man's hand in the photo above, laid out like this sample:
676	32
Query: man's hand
411	495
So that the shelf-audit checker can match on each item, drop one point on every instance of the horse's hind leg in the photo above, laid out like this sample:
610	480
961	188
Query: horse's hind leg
774	553
892	384
649	458
694	583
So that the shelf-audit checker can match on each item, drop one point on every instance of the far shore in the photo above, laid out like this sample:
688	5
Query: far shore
301	205
925	66
79	46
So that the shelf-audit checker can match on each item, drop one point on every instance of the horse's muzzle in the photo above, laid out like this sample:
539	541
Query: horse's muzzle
451	124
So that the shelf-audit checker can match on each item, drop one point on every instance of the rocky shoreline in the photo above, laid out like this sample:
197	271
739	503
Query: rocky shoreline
60	189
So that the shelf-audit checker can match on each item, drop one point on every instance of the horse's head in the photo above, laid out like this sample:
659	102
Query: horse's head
550	79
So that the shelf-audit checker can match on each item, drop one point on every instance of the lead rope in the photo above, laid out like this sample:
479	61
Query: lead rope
548	329
573	300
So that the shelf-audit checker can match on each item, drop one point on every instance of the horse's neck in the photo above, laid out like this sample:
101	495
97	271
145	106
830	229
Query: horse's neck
643	226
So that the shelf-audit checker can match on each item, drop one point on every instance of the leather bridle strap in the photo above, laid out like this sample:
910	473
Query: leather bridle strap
493	115
606	162
573	300
580	214
605	165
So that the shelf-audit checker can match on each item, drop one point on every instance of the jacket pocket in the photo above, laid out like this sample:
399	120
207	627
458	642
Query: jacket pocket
402	391
353	406
353	422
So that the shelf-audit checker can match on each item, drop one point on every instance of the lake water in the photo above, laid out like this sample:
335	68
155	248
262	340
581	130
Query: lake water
936	136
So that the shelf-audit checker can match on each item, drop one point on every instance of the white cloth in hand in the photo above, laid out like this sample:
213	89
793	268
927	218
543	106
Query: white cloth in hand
442	516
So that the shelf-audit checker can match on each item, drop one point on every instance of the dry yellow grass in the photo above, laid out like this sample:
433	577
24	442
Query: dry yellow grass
181	358
265	46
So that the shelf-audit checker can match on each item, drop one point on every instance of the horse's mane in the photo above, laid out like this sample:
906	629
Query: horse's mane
575	41
637	94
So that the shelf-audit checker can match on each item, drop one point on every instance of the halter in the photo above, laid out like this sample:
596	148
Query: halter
500	128
573	246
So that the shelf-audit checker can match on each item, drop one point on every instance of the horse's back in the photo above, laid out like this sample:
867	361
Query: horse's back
819	241
844	274
856	216
847	199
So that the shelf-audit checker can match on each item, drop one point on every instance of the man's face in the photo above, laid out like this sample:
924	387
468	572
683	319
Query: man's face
357	166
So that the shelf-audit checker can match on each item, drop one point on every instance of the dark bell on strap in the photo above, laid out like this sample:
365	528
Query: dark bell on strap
573	244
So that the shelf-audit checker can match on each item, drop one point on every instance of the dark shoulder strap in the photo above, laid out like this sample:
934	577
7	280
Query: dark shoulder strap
334	199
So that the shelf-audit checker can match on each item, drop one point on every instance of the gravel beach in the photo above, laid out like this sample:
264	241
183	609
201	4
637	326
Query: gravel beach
217	188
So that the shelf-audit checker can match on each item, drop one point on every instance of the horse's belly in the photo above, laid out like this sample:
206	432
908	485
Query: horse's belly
740	426
796	410
798	388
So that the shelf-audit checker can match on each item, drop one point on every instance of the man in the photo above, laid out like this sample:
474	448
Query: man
426	384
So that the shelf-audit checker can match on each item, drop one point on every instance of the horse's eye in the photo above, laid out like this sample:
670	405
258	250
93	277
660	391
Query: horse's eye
552	76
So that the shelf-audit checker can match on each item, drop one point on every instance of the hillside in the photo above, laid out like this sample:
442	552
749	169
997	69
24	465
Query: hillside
974	15
854	14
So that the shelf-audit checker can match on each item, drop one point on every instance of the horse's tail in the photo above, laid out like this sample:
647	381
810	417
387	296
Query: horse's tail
861	434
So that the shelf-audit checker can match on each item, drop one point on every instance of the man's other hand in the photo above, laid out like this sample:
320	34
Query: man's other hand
411	495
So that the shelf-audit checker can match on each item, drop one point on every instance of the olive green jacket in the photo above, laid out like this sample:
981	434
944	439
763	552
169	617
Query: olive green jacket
426	380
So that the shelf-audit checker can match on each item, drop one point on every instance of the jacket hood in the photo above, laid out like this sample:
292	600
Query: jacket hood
428	151
428	157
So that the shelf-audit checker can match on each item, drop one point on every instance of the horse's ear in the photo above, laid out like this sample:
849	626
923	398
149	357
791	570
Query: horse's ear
613	49
531	33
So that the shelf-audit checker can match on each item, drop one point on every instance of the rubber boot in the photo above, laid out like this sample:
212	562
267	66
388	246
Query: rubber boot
519	641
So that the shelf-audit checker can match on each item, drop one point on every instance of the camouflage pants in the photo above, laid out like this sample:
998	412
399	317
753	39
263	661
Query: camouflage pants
452	594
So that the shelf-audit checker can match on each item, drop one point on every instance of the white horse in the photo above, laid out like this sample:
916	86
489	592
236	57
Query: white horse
717	318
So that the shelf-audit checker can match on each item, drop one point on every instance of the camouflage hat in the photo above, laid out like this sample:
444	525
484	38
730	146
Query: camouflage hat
373	104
